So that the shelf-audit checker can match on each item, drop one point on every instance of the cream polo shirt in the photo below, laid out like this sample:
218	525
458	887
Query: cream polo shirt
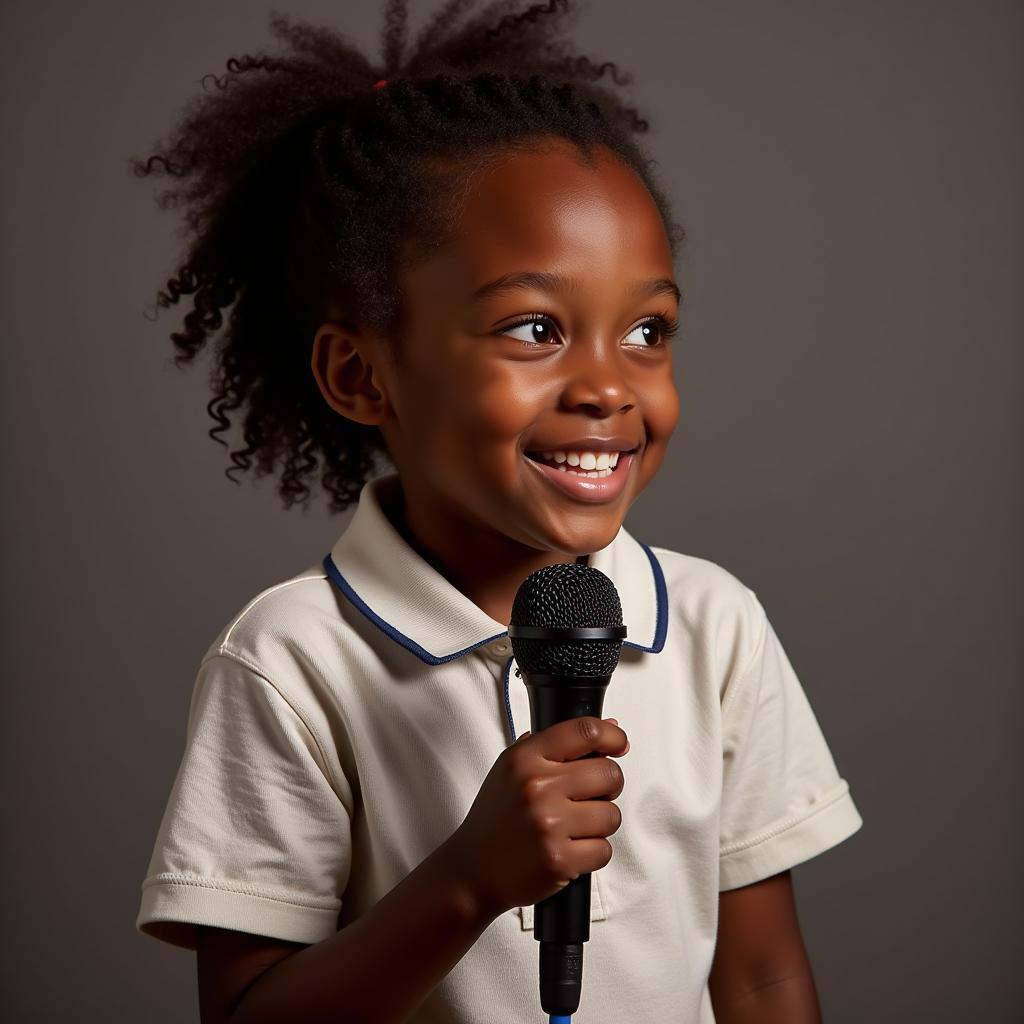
342	723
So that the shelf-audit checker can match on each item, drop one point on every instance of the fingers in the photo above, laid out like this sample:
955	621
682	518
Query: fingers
576	737
590	819
591	854
592	778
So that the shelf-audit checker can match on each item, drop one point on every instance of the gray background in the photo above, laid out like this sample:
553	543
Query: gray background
849	446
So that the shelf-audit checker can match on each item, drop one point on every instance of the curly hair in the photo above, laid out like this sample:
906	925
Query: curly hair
305	188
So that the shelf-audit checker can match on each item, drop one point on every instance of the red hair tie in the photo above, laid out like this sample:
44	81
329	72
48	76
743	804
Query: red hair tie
381	83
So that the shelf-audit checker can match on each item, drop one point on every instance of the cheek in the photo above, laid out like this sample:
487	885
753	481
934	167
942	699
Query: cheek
662	411
500	404
470	416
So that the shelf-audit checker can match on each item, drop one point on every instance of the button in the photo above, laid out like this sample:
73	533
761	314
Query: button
500	648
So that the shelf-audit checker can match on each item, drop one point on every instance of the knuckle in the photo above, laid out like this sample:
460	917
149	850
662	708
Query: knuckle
544	823
520	767
588	727
532	788
512	766
553	858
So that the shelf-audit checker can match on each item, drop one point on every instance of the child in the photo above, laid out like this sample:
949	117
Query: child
459	264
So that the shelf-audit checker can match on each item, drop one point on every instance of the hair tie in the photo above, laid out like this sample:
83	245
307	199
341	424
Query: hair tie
381	83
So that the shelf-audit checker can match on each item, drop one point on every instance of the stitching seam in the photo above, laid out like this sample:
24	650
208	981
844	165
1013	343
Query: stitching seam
174	878
245	662
796	819
741	676
259	597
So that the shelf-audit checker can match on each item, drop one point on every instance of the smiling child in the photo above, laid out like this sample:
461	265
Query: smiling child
459	267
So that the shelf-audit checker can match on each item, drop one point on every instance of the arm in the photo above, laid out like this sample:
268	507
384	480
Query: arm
378	969
761	974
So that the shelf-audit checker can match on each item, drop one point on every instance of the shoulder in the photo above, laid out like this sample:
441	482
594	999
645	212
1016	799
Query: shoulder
280	632
714	605
273	670
699	586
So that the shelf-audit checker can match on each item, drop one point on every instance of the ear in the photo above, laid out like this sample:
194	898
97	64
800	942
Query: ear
344	362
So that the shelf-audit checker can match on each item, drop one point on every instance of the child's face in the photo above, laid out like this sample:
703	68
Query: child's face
473	392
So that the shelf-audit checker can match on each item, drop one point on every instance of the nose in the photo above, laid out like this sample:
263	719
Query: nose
598	386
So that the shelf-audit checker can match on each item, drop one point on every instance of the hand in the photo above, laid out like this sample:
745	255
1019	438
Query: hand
542	814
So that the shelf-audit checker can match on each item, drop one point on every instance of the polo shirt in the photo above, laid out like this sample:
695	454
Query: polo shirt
342	723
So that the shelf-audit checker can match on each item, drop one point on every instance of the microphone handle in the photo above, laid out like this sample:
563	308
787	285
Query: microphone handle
561	923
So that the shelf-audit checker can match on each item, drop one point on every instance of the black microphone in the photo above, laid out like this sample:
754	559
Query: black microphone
566	633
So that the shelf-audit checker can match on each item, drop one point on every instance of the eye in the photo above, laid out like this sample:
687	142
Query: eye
658	329
655	331
537	322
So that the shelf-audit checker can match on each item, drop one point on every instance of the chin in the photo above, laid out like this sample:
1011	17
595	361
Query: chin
585	539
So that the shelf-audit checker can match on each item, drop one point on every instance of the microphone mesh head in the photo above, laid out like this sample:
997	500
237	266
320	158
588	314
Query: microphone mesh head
567	594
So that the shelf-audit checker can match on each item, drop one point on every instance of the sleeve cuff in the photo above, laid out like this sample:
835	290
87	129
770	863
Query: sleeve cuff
171	909
827	822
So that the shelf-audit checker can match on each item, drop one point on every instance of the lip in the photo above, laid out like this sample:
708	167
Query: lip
591	444
587	488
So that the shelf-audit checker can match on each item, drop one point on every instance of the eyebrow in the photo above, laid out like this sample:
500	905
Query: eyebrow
547	282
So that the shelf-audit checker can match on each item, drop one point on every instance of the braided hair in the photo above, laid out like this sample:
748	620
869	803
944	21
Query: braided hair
304	188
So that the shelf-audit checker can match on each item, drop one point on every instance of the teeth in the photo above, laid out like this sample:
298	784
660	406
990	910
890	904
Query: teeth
588	463
593	472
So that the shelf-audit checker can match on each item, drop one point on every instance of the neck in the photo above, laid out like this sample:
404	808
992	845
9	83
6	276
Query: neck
485	567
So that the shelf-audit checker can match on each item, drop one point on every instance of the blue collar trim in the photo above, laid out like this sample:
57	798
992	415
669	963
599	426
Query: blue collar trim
661	594
335	576
399	637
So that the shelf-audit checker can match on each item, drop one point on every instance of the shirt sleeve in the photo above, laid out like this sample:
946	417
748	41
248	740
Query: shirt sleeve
254	837
783	800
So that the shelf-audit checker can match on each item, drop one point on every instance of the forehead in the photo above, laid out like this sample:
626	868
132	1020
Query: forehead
547	209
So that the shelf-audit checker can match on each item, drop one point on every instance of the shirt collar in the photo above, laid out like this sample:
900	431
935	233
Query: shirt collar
376	569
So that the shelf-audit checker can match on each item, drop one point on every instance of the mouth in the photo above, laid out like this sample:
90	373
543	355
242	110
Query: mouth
585	484
590	465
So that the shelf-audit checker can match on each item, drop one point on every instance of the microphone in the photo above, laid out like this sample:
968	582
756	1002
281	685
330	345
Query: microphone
566	634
